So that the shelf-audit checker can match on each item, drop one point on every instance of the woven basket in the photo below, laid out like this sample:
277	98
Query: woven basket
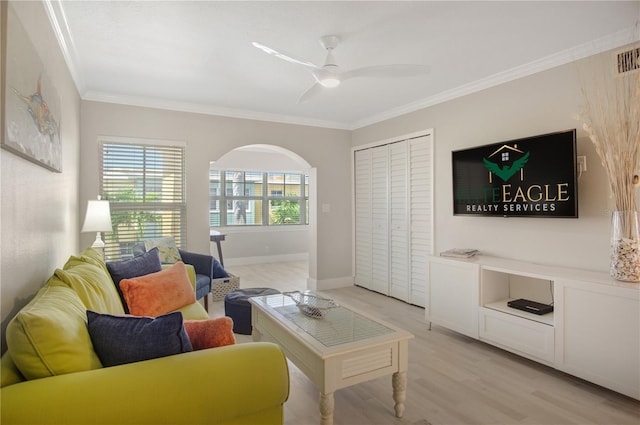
221	287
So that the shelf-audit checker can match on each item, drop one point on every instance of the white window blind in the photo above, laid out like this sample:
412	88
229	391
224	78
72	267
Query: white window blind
144	184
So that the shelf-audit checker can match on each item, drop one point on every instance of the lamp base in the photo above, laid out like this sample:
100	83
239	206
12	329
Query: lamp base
98	244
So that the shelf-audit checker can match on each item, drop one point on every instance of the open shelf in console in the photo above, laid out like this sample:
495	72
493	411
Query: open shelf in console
500	286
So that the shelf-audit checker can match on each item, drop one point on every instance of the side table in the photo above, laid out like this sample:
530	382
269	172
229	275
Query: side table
217	237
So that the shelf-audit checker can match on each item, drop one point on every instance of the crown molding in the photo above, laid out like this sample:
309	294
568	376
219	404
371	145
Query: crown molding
58	21
210	110
603	44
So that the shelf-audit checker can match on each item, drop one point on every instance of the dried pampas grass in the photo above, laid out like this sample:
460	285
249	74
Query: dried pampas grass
611	119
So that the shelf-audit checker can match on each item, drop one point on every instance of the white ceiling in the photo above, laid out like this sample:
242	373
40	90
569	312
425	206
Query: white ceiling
197	55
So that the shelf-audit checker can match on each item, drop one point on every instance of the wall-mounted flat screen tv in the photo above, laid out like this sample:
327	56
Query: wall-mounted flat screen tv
529	177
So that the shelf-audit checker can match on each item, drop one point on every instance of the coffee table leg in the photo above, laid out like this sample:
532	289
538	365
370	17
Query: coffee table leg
326	409
399	382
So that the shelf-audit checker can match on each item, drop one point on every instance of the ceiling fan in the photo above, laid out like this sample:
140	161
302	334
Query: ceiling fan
330	75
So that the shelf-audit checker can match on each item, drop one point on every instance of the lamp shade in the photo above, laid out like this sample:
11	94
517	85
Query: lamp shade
98	217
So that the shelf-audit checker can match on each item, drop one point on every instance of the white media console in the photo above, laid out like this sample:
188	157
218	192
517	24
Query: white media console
593	332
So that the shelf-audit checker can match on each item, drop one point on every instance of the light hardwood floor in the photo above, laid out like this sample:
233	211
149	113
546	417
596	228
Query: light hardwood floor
452	379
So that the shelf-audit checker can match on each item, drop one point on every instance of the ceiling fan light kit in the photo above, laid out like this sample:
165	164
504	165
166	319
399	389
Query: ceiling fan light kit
329	75
330	82
327	78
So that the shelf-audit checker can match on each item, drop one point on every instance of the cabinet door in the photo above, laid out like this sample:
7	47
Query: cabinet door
363	225
453	295
598	334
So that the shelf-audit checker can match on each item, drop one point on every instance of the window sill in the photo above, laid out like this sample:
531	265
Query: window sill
260	229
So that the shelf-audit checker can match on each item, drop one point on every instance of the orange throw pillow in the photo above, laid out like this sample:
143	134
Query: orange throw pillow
158	293
210	333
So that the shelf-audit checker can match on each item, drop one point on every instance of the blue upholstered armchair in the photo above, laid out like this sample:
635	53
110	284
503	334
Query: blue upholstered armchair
203	265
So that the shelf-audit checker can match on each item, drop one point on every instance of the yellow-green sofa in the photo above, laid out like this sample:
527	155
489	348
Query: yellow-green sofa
49	343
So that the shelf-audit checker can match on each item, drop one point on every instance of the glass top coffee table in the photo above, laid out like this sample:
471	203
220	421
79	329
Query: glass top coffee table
343	348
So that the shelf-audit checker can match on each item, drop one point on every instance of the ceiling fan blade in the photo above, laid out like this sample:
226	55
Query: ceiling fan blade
313	91
284	56
385	71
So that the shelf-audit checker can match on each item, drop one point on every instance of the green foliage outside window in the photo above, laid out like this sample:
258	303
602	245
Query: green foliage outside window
285	212
131	220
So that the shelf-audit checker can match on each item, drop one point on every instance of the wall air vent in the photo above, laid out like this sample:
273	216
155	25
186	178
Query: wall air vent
628	61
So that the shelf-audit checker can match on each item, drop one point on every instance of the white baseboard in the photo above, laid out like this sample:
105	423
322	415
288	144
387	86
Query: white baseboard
324	284
241	261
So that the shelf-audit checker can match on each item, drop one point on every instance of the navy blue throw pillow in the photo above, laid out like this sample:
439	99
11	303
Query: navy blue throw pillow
127	339
140	265
218	270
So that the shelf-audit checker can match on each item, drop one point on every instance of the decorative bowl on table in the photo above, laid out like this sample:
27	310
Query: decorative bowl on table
310	304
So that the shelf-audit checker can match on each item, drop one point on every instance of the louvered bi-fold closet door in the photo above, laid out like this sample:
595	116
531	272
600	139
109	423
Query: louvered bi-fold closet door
393	218
420	215
380	219
399	227
363	225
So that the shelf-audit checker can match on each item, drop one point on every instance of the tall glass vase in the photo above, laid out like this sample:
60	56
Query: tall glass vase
625	246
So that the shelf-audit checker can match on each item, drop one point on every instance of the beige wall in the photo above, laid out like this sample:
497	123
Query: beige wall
208	138
39	222
538	104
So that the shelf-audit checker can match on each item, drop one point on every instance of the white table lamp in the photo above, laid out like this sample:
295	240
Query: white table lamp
97	219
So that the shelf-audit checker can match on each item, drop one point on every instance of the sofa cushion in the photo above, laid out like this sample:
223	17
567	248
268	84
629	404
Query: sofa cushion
49	335
158	293
210	333
9	372
193	311
140	265
89	255
128	339
90	279
167	248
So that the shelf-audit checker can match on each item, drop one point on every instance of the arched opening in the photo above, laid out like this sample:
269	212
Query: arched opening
256	244
254	157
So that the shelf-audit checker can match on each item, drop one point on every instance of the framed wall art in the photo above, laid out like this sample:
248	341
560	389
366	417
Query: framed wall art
30	121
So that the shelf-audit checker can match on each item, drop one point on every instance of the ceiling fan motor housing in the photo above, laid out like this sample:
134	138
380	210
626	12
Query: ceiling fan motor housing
329	42
328	75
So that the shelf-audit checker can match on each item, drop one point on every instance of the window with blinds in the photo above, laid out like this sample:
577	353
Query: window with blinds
144	184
